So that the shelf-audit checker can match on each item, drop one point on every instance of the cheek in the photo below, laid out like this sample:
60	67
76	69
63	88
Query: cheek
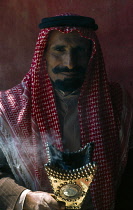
54	60
82	61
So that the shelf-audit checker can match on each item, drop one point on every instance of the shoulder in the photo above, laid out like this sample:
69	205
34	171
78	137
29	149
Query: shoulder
120	96
11	99
16	91
122	102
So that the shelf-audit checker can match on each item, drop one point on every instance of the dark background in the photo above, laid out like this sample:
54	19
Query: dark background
18	34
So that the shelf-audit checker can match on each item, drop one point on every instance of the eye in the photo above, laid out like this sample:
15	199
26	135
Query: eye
81	49
59	48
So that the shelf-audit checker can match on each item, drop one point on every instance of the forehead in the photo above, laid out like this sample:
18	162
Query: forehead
59	38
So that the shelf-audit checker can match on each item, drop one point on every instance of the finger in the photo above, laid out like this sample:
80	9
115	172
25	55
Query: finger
43	206
53	195
61	205
52	203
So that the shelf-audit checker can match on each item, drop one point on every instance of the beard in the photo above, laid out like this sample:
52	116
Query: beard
69	84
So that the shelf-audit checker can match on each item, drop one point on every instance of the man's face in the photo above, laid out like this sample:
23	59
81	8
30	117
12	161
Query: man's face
67	57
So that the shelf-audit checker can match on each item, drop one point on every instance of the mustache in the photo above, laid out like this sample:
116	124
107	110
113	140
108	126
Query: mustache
59	69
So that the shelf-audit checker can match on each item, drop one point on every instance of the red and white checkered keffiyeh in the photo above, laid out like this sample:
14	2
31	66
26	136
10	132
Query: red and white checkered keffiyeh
29	112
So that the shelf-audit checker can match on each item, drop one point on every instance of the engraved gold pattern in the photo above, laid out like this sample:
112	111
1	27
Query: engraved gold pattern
71	186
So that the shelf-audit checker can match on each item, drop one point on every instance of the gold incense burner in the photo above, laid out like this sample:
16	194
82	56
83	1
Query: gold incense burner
71	174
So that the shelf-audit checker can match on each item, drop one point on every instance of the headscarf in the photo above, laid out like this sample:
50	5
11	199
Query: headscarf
29	114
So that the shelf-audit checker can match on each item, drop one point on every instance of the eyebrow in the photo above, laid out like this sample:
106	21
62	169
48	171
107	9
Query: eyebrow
63	46
56	46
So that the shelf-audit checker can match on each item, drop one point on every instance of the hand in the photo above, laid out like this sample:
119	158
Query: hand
41	201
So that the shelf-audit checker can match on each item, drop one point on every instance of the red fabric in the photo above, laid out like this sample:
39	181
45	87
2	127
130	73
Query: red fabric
30	111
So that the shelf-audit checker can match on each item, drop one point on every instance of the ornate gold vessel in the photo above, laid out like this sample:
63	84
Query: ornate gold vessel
71	174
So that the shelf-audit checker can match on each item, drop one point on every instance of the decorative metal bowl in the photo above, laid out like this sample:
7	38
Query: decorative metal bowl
71	174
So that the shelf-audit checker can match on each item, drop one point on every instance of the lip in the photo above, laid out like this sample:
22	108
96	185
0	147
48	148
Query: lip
69	74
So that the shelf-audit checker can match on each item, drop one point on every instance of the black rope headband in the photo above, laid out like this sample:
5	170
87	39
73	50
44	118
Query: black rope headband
73	20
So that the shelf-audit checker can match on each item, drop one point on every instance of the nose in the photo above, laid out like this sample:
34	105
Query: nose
69	60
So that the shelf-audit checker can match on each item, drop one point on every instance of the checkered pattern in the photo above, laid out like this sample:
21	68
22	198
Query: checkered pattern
30	110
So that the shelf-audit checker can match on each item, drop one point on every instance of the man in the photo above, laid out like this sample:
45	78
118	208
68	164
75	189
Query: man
65	99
